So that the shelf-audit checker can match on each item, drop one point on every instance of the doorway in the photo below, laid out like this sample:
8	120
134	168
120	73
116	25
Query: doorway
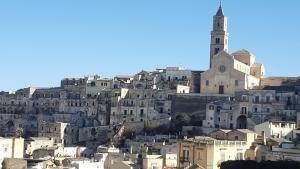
221	89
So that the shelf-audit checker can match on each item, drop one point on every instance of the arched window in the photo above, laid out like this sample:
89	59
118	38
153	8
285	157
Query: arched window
217	40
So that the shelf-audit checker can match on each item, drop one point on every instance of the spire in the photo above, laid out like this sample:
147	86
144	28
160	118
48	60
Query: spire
220	11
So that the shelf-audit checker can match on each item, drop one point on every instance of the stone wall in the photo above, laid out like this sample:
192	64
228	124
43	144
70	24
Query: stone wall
139	126
193	104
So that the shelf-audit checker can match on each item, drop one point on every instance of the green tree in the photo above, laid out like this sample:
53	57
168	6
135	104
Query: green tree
149	125
183	119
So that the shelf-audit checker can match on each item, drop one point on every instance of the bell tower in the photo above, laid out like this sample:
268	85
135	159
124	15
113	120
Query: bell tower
219	34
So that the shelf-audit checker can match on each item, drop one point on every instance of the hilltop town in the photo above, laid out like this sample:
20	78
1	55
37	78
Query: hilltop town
163	118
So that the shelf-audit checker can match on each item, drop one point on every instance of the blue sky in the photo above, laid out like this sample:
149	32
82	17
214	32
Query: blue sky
42	42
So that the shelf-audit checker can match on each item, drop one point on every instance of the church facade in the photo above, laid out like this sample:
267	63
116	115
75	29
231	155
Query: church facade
228	73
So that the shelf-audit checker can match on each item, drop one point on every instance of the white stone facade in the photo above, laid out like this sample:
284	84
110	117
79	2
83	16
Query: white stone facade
277	129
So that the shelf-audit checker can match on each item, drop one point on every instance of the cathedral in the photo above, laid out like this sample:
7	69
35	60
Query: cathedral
228	73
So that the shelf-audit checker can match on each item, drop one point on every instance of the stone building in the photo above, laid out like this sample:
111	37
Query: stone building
9	163
34	143
277	129
100	134
94	101
132	105
169	78
76	85
153	161
95	85
250	108
10	148
209	153
62	133
228	73
224	114
275	149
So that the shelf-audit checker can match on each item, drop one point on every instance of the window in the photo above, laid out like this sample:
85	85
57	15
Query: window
244	110
268	110
289	101
216	50
131	112
186	155
268	98
142	112
255	109
236	83
217	40
256	99
207	82
230	117
161	110
236	137
211	107
125	112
